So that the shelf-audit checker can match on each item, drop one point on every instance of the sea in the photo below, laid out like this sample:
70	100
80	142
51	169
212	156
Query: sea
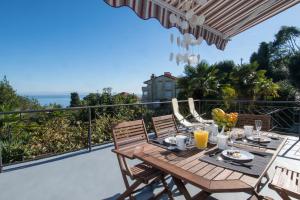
62	99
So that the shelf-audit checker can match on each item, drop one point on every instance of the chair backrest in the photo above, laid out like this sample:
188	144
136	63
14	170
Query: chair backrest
129	133
249	119
163	125
178	116
193	111
175	105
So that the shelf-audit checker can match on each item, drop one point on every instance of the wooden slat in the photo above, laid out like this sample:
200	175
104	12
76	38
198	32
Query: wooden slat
278	171
297	181
131	142
189	159
128	124
213	173
191	164
234	175
163	124
223	175
139	136
129	133
198	167
205	170
249	180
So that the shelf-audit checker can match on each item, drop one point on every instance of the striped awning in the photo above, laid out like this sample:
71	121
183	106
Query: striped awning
224	18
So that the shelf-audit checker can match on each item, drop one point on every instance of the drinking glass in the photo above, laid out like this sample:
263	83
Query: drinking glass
258	125
201	139
172	139
233	137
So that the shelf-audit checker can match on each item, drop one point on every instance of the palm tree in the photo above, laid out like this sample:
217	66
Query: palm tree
200	81
252	83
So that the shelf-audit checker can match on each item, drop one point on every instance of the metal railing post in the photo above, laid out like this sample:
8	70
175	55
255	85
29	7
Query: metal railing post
1	163
142	112
90	131
298	123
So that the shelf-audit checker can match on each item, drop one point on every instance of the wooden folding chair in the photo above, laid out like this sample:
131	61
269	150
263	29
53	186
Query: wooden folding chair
286	183
128	135
249	119
163	125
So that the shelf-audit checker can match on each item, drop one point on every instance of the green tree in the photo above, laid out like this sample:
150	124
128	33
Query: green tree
8	96
9	100
264	87
262	57
283	48
251	83
294	66
92	99
286	92
224	70
75	99
286	41
228	94
274	57
199	82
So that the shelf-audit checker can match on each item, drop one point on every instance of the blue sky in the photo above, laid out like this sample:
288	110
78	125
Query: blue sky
57	46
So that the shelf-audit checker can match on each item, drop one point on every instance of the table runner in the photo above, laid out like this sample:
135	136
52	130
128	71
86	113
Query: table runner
252	168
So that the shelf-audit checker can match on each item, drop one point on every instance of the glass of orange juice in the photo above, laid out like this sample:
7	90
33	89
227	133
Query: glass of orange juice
201	138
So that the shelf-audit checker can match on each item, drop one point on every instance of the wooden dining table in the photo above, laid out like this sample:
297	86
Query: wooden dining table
186	167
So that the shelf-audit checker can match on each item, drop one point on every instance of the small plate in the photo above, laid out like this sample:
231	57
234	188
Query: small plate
243	155
261	139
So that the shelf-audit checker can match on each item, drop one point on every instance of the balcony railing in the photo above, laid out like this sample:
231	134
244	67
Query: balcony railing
34	134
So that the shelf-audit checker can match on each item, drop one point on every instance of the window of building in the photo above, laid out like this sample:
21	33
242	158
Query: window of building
168	85
168	94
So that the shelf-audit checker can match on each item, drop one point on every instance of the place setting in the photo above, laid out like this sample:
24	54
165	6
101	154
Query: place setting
175	142
249	136
246	161
230	155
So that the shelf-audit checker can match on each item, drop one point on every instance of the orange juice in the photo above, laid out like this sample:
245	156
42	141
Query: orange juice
201	139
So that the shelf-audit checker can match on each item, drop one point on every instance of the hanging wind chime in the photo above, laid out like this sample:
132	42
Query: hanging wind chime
187	43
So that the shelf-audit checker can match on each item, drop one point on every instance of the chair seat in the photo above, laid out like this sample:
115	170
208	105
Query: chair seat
286	181
144	172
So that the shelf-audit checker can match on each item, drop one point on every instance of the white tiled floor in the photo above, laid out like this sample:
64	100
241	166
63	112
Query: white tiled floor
96	176
291	149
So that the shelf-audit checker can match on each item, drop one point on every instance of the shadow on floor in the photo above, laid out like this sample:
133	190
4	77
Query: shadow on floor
150	191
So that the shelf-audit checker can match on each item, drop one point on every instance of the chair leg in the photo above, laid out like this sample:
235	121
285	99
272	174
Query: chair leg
167	189
129	191
282	194
256	196
131	197
182	189
261	185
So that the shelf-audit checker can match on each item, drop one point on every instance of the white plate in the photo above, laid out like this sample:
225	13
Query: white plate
170	140
244	155
261	139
